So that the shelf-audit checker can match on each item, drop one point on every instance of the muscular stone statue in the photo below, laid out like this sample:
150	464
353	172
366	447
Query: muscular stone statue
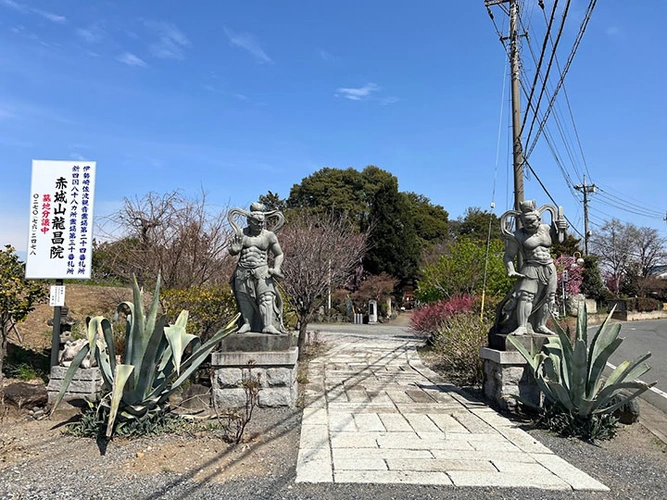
527	308
253	282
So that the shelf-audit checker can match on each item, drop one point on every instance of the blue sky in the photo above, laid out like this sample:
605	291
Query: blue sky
239	98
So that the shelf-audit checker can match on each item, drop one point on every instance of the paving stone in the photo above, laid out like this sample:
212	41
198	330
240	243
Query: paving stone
398	396
357	396
359	464
382	421
369	422
347	407
355	440
392	477
467	454
579	480
385	454
426	409
472	422
411	441
520	467
523	440
379	397
342	422
495	445
314	472
314	436
492	417
448	424
504	480
422	423
315	416
395	422
443	465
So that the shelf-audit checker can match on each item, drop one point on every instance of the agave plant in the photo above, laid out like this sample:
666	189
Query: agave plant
570	374
153	366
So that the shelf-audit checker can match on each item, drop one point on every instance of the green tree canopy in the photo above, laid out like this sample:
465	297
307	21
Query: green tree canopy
474	224
18	296
568	247
402	225
393	244
431	221
461	271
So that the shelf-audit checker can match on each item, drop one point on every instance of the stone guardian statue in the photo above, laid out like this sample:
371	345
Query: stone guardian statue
527	258
259	264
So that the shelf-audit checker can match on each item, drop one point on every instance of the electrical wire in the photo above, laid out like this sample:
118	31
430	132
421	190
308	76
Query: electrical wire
575	46
493	191
546	191
549	66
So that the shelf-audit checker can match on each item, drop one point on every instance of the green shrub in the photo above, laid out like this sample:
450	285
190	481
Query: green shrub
93	424
210	306
26	364
643	304
594	428
462	270
456	344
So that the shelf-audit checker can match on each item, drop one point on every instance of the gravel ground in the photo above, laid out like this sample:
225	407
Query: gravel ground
43	464
38	462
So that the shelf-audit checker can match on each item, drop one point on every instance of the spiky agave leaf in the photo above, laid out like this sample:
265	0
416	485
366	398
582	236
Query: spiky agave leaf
178	339
122	375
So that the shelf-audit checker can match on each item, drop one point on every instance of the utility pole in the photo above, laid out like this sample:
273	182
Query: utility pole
586	189
517	148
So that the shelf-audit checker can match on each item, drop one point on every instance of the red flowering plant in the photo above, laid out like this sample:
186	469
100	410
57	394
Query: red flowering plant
427	320
570	277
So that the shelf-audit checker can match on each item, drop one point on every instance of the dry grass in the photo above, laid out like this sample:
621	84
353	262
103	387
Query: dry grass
82	300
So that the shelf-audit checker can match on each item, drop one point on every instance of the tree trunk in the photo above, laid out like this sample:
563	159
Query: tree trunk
3	351
301	343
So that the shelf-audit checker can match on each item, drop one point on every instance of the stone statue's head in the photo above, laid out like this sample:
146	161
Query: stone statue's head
530	216
257	215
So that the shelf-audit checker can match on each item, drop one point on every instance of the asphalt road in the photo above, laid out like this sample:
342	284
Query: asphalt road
641	337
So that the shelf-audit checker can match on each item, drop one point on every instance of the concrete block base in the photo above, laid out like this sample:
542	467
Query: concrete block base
86	384
506	374
276	371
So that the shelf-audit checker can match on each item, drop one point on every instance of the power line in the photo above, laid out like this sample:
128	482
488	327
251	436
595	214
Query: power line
544	188
575	46
549	66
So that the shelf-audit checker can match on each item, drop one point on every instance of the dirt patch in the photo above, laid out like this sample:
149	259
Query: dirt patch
82	301
270	444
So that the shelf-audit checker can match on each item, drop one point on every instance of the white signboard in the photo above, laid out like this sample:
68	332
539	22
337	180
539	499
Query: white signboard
57	296
61	220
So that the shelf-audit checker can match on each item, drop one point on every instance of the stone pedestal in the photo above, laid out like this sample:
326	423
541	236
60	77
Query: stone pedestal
507	374
86	384
274	360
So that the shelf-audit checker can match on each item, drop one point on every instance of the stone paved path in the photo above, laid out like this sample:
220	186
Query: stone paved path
375	414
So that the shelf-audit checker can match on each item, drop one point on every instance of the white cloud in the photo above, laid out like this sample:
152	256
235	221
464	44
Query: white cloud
19	7
54	18
359	93
249	43
171	40
386	101
131	60
328	56
92	34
